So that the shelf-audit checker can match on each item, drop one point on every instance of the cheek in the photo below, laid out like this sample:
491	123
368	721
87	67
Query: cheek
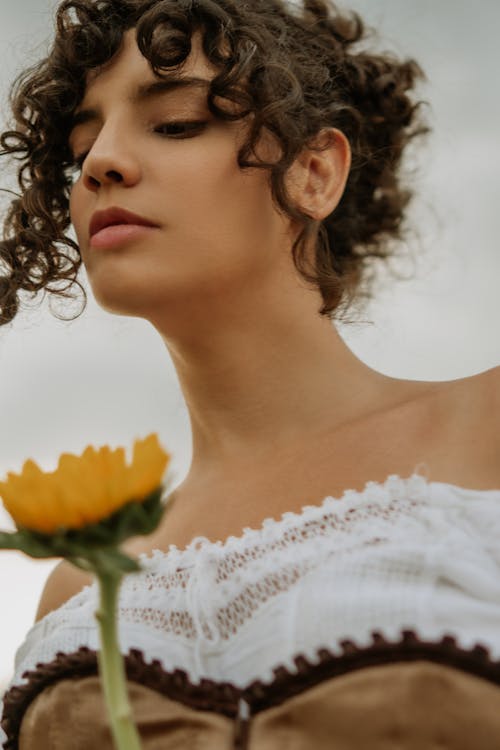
209	185
75	212
214	198
80	218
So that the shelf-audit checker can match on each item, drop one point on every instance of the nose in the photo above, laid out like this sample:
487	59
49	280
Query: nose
111	160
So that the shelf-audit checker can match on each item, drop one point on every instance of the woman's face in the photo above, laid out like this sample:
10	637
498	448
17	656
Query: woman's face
218	234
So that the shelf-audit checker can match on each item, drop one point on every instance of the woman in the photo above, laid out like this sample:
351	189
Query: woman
229	169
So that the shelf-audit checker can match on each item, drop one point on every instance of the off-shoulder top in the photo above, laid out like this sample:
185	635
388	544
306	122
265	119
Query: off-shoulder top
369	620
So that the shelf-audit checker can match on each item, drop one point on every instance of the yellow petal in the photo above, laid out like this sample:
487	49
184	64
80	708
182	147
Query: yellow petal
119	479
28	499
16	501
83	489
77	478
148	466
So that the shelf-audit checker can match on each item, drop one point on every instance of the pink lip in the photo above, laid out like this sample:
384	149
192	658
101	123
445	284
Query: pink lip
118	234
116	216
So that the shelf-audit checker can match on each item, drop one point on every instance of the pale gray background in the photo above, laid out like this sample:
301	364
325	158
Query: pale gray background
109	379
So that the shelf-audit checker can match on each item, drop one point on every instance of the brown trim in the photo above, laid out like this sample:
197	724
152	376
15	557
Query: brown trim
207	695
225	698
410	647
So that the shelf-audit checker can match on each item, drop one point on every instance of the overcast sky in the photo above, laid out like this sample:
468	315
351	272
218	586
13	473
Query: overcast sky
109	379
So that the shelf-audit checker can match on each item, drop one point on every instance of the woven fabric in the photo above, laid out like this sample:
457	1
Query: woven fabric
406	553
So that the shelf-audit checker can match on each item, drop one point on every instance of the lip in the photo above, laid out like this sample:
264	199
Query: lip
118	234
116	216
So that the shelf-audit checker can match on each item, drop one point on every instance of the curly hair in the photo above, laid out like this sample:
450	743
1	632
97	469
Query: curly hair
294	67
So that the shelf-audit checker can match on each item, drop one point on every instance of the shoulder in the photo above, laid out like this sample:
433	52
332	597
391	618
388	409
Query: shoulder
463	435
491	396
477	404
491	380
485	393
476	398
63	582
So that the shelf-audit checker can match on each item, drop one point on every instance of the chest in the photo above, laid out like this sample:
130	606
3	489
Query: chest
444	437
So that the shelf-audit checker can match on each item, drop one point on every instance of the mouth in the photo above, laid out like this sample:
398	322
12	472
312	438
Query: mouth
116	217
118	234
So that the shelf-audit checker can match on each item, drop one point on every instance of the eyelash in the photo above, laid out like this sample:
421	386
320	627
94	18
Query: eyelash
188	126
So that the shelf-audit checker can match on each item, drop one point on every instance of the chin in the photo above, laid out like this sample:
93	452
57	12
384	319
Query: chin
114	297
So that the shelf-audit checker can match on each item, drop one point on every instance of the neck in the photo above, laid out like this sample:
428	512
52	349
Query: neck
260	385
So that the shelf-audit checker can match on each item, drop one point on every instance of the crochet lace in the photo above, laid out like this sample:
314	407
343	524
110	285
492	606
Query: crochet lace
380	553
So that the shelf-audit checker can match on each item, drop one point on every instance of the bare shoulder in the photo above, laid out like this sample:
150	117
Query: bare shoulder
482	393
490	380
461	429
488	385
476	424
63	582
475	396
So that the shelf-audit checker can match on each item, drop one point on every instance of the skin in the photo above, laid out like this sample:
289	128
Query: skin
262	373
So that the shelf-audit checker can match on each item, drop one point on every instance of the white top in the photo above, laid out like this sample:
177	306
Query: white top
404	554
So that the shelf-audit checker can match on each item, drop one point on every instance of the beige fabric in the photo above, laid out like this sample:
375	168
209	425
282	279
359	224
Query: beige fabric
414	706
70	715
417	705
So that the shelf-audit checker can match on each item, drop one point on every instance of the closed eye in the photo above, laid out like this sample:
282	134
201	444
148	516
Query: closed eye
176	130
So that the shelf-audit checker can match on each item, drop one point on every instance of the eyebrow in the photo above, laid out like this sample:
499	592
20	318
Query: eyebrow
144	92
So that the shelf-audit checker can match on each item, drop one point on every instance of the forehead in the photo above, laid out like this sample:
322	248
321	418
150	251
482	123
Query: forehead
129	66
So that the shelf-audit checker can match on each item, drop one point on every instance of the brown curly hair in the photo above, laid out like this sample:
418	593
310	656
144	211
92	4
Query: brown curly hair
301	72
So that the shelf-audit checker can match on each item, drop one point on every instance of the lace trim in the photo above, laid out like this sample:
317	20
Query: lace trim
381	500
394	484
410	647
183	557
253	568
211	589
416	483
225	698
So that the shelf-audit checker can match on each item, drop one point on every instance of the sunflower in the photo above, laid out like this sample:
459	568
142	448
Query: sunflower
82	512
83	490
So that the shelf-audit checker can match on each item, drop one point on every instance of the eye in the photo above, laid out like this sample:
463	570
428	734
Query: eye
176	130
180	129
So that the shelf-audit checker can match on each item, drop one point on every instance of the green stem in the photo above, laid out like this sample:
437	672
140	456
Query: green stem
111	666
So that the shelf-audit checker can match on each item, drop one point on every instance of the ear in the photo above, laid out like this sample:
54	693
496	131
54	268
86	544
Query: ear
317	179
